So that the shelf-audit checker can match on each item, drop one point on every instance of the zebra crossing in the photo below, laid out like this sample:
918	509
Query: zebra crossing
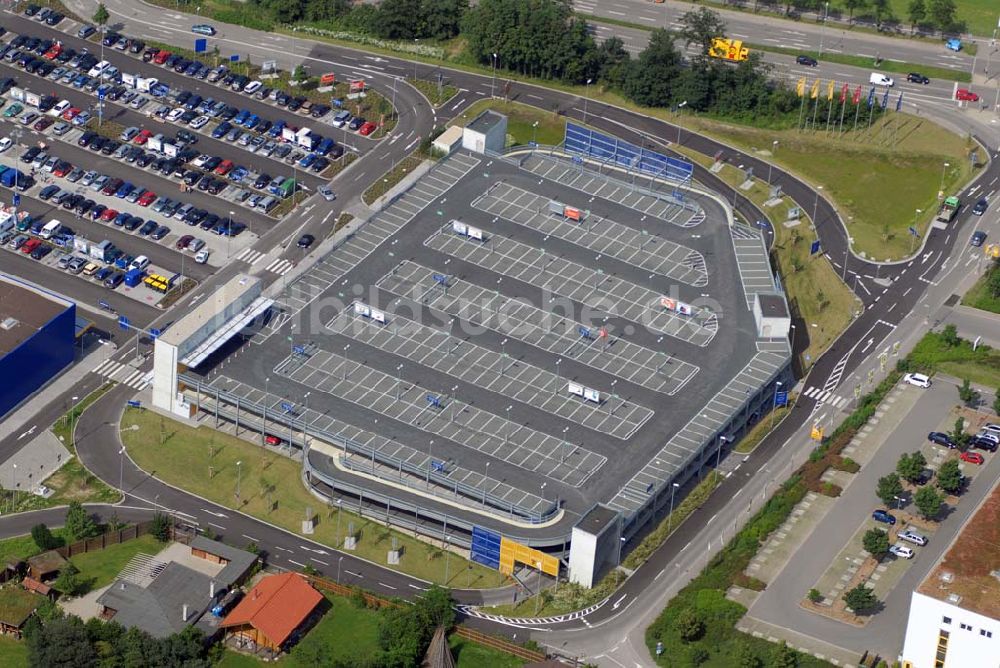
252	257
114	370
821	396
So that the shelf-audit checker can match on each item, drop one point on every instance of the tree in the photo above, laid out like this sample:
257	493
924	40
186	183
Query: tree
889	488
701	26
79	524
651	76
443	18
928	501
949	335
160	527
746	657
783	657
911	465
814	595
43	537
437	606
69	582
949	477
942	13
876	543
689	625
916	12
861	599
61	643
993	282
101	16
996	401
851	6
968	394
958	434
880	10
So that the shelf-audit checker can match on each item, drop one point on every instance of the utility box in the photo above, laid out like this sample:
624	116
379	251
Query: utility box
486	133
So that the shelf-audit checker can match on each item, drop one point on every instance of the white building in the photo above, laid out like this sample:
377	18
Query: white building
954	617
487	132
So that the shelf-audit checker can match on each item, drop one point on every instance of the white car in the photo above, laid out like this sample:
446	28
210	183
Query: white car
59	108
5	144
901	551
252	87
201	160
327	194
202	256
917	379
913	537
199	122
175	114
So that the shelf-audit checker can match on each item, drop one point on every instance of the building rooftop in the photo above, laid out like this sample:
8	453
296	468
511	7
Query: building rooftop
596	519
238	561
46	562
276	606
773	306
23	311
968	575
485	121
211	309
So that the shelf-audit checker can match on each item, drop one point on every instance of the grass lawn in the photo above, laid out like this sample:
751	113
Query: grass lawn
392	177
762	429
980	366
22	547
16	603
818	298
980	16
980	295
430	91
470	655
100	567
875	188
13	653
203	461
520	118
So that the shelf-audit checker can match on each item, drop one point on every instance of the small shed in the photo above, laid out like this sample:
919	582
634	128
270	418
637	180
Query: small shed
449	140
16	605
36	587
46	566
486	133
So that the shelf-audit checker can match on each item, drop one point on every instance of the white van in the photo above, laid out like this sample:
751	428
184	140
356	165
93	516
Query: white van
50	230
139	263
879	79
58	110
98	69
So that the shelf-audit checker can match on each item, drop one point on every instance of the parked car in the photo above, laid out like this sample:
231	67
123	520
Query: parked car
901	551
913	537
917	379
972	457
884	516
941	439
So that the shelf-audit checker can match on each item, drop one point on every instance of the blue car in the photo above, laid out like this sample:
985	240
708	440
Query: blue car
80	81
221	130
102	274
121	218
159	90
953	44
883	516
276	129
124	190
252	122
308	160
238	174
241	117
325	146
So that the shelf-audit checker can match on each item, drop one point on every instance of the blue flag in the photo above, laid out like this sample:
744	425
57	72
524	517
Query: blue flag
885	99
871	97
899	101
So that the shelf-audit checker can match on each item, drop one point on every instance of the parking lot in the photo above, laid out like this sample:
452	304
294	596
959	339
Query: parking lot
538	356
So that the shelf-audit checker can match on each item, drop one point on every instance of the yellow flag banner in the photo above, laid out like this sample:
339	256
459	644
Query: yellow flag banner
800	87
814	93
829	91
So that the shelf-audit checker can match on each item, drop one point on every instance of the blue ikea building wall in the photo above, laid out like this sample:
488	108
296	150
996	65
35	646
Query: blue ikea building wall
37	360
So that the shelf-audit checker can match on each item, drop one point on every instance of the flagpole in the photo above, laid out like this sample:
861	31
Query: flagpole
843	105
857	110
802	107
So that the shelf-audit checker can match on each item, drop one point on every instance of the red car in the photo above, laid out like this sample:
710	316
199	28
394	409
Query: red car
43	123
146	199
142	137
224	167
367	128
161	57
30	245
62	169
70	114
183	242
972	457
272	440
109	215
966	95
53	52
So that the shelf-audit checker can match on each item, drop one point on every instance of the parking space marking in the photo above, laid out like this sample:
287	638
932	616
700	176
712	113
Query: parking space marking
580	283
665	206
460	423
635	247
654	370
492	371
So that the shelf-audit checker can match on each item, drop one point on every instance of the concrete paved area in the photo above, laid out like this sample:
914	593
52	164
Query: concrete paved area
36	461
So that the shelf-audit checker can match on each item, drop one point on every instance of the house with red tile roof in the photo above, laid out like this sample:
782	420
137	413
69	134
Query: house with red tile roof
271	613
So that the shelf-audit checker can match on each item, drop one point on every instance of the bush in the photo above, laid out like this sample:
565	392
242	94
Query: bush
861	599
689	625
814	595
889	488
43	538
876	542
949	477
929	502
160	527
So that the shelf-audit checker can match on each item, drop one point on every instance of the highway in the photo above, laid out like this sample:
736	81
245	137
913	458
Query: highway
885	304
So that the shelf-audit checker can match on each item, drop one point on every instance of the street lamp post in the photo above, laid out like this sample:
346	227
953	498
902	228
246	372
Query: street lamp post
263	426
493	80
718	454
72	421
534	134
586	97
670	515
339	561
913	237
822	29
944	168
770	165
121	470
447	554
239	471
339	514
774	403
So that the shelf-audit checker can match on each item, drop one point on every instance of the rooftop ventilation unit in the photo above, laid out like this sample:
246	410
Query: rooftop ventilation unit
9	323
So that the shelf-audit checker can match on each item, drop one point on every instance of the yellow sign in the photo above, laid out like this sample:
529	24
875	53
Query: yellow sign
817	433
512	552
992	250
829	91
728	49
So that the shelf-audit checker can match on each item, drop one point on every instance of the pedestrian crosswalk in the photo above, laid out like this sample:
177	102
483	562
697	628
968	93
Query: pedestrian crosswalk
114	370
825	397
280	267
252	257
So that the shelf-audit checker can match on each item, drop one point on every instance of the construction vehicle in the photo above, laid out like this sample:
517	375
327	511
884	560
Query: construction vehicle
728	49
949	208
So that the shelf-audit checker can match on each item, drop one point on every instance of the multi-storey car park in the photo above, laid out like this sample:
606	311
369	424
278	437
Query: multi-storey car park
524	353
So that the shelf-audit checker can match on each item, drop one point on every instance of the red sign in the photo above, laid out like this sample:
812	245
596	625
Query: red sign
328	79
357	86
571	213
668	303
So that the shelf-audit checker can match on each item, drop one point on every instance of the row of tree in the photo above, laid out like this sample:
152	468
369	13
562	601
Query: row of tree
389	19
940	14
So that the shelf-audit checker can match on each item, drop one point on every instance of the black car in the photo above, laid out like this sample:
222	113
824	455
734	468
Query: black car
54	19
941	439
110	39
71	202
186	137
980	207
319	165
47	192
96	212
86	138
148	228
132	223
144	159
192	177
97	143
30	154
160	232
31	10
306	241
84	206
114	280
983	444
320	110
808	61
262	181
41	251
136	46
217	186
356	123
978	238
110	146
916	77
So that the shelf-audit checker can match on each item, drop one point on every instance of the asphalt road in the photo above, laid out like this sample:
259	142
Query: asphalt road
900	295
807	34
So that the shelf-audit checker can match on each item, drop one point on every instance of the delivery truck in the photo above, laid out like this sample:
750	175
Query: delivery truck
102	252
949	209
